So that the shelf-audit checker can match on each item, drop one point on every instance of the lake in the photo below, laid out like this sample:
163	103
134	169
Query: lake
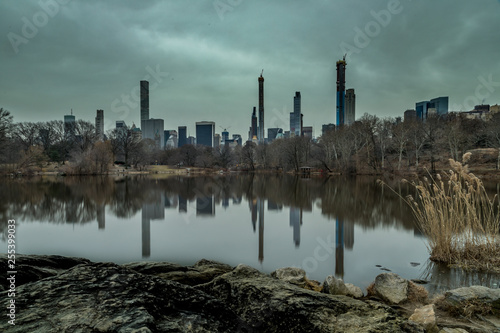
348	227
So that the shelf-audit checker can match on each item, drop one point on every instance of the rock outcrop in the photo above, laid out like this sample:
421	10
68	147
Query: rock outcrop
213	297
271	305
59	294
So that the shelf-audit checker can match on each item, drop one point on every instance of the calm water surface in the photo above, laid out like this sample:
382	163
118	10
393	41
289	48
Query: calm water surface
347	227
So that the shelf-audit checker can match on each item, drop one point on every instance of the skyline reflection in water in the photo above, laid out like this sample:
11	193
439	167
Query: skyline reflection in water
327	226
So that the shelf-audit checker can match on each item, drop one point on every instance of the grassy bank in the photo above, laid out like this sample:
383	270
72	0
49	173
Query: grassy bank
459	219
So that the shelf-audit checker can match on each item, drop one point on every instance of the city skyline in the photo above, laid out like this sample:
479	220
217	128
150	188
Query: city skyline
200	68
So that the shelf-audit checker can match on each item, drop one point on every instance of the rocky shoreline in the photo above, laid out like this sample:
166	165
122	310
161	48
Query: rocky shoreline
62	294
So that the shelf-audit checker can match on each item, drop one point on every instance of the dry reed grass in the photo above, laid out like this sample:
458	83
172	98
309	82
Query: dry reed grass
459	219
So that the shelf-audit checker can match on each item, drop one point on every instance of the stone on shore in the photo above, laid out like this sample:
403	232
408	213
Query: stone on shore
202	271
452	330
354	291
480	294
334	286
293	275
391	288
426	317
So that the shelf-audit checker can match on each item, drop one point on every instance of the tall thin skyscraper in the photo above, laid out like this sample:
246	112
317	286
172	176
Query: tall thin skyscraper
350	106
99	124
253	130
295	116
341	64
144	103
261	108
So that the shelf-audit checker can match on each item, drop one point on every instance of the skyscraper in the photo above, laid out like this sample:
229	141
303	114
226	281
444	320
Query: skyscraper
350	106
154	129
295	116
99	124
253	129
144	102
69	125
205	131
341	64
261	108
182	136
441	105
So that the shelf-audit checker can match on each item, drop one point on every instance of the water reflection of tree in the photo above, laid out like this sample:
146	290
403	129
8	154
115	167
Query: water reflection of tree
442	278
54	200
77	199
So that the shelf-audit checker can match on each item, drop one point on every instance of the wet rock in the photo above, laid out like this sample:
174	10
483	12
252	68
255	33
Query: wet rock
202	271
475	293
391	288
272	305
109	298
452	330
36	267
334	286
426	317
104	297
353	290
293	275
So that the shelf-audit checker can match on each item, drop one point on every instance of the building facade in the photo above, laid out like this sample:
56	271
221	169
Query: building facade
350	106
253	128
69	125
144	103
410	115
261	109
341	64
99	125
205	132
296	116
153	129
182	133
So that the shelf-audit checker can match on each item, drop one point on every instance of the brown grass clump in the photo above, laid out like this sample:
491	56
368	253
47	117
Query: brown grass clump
467	309
370	290
313	285
459	219
417	294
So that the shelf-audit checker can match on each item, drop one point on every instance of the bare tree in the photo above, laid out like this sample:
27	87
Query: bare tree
85	135
124	143
367	127
493	130
383	129
5	127
400	139
188	154
25	134
248	154
417	139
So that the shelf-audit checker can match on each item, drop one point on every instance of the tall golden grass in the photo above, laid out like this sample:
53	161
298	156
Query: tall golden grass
460	220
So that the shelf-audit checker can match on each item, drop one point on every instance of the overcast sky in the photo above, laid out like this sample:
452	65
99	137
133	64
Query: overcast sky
203	58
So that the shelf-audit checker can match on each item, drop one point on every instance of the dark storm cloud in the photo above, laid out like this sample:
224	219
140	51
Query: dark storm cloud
92	54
